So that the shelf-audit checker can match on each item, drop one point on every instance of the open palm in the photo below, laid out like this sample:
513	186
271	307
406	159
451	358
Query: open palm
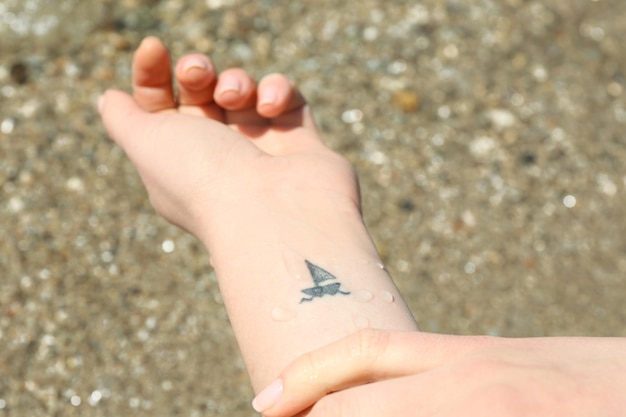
190	146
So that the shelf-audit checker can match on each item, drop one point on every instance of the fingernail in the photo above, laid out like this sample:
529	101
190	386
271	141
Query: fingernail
195	62
268	96
268	397
101	103
229	84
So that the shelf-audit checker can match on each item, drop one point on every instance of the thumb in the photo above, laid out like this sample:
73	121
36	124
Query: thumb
146	136
363	357
121	116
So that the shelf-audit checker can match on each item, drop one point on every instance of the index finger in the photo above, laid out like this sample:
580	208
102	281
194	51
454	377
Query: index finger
366	356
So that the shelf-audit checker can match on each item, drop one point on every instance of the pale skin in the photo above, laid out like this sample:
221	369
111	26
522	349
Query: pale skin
240	165
375	373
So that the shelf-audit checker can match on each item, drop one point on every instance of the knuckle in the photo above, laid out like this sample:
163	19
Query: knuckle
358	353
307	367
369	345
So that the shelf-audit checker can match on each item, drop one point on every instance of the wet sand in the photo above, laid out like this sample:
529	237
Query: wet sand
489	139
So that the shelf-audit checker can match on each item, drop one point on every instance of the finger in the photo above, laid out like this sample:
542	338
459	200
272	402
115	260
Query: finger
196	78
122	116
195	75
277	96
278	103
366	356
235	90
152	76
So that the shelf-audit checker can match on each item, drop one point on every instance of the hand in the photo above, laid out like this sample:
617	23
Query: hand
379	373
242	166
223	147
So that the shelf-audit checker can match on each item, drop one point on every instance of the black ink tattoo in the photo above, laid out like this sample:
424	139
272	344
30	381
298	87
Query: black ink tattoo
320	275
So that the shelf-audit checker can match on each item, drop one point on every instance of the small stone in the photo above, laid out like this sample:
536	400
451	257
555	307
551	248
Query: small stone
75	184
15	204
405	100
19	73
501	118
569	201
407	205
528	158
352	116
121	43
482	146
7	126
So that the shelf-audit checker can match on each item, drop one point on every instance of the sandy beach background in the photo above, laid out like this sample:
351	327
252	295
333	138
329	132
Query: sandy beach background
489	139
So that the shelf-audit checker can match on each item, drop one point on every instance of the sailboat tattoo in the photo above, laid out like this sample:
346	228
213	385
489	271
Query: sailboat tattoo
320	275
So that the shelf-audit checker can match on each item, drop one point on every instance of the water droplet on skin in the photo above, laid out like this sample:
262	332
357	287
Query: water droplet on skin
361	323
293	264
381	265
363	296
282	314
387	296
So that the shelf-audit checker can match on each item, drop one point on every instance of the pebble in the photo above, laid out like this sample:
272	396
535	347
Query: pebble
486	139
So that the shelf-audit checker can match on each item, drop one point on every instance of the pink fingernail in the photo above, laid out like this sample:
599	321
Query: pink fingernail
268	396
269	96
195	62
228	84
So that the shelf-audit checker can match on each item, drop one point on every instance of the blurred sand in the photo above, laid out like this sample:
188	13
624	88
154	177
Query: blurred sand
489	136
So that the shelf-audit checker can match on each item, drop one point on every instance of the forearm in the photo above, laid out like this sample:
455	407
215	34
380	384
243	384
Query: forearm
241	165
262	270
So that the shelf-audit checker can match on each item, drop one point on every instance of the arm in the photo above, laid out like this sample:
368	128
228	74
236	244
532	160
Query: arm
378	373
242	167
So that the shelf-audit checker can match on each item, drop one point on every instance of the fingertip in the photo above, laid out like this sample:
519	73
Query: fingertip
235	90
151	42
103	101
194	71
268	397
119	112
190	62
150	53
152	75
115	100
277	95
150	38
273	95
269	102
